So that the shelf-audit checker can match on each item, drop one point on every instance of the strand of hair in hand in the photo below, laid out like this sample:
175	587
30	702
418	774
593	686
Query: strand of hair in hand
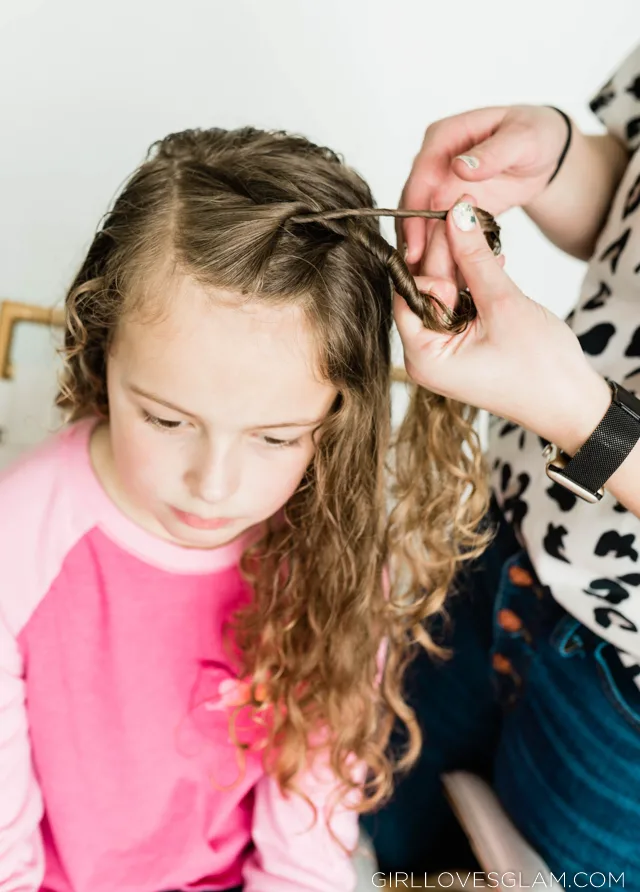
488	223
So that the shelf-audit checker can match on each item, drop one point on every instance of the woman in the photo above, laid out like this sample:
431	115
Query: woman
543	691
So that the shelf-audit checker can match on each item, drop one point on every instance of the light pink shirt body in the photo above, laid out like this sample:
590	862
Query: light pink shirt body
116	768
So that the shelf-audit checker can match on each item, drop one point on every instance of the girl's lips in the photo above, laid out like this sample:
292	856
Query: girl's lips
199	523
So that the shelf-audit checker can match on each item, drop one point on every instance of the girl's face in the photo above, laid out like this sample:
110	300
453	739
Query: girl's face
212	412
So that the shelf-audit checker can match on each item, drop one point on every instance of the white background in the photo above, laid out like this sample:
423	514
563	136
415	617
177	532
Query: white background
85	87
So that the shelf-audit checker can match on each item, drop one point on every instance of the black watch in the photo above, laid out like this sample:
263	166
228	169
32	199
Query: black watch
602	454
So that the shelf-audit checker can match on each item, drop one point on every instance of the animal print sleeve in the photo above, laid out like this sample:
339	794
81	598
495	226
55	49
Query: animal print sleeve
617	103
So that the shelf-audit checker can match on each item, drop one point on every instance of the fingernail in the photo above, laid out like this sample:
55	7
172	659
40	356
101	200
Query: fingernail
470	160
464	216
405	253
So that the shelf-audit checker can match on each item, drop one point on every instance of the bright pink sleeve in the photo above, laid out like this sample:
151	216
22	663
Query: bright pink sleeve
28	494
21	853
292	852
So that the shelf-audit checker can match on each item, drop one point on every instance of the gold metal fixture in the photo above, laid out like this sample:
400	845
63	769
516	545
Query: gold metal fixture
12	312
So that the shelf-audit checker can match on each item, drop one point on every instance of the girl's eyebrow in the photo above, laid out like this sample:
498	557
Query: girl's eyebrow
262	427
258	427
157	399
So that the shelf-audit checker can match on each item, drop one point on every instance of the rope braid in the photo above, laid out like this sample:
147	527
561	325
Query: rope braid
447	320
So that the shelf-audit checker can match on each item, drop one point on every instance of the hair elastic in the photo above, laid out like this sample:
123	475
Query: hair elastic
563	154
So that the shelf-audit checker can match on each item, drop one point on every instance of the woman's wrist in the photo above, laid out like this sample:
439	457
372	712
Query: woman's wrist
572	209
567	143
584	406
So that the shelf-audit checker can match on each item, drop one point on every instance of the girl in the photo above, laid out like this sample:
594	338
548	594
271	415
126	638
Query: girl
192	599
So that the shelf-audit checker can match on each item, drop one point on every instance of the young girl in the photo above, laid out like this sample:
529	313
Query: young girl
192	601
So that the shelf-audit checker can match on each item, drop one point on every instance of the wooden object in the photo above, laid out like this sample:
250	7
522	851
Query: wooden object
12	312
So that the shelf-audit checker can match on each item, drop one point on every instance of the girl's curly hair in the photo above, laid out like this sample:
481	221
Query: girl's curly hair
273	216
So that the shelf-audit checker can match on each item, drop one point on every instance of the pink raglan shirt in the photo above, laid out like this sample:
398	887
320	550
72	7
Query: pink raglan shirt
116	769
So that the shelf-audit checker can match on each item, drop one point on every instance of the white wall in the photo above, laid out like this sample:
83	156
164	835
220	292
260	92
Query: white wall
86	86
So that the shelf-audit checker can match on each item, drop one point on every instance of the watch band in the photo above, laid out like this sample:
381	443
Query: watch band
604	451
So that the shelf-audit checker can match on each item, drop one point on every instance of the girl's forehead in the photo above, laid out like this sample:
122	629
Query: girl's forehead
189	317
219	347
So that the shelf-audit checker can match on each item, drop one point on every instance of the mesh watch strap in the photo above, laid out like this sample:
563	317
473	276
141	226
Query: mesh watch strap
607	447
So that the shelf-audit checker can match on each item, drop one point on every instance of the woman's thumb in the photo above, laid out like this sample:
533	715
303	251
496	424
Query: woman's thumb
485	278
489	158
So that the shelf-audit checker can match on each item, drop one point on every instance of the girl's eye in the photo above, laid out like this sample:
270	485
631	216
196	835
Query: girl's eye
279	444
162	423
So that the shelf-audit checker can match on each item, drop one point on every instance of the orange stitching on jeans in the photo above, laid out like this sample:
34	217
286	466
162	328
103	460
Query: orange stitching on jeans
520	576
508	620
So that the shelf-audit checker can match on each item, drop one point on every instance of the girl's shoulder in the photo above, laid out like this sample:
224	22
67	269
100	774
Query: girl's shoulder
27	482
38	498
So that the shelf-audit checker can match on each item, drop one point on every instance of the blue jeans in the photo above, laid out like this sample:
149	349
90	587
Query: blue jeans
539	705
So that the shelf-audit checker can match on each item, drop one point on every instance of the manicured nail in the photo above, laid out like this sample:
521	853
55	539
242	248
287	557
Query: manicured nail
464	216
405	253
470	161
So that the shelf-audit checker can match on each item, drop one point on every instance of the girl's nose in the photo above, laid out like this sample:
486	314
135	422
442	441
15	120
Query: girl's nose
215	476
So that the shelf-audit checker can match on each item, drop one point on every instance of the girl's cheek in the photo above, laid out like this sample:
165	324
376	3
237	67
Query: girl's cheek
276	485
151	462
297	473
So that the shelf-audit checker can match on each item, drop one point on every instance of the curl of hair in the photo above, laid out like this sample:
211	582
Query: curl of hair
276	218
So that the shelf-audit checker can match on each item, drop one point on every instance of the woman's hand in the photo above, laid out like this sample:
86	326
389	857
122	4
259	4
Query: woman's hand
516	359
511	153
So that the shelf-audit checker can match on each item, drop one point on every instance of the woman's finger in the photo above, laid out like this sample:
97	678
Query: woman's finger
488	283
438	261
409	325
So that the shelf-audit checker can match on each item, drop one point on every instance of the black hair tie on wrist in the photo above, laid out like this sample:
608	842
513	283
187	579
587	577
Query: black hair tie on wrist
563	154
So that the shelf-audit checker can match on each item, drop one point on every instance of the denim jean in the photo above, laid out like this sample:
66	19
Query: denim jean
539	705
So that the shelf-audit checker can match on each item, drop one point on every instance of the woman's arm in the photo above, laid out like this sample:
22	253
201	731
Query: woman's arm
573	208
624	485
